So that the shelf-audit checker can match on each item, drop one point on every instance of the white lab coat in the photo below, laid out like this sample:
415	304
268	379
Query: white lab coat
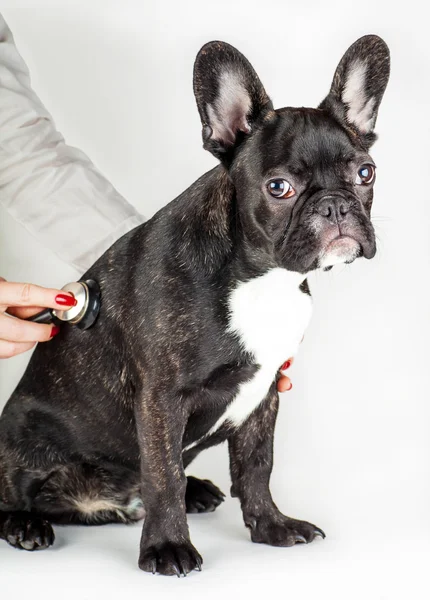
51	188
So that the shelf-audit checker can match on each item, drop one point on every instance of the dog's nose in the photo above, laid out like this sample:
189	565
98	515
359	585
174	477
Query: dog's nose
334	208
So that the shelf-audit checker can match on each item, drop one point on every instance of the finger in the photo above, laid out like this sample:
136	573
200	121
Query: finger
284	384
24	312
2	279
28	294
9	349
287	364
16	330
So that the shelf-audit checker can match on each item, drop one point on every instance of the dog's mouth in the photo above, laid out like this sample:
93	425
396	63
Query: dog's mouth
341	249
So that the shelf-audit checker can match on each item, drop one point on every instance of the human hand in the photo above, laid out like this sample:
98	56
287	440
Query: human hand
22	300
284	382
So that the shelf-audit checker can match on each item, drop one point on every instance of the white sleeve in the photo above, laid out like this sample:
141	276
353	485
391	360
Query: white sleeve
51	188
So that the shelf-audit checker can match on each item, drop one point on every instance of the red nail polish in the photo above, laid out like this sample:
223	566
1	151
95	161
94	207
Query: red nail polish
55	330
286	365
65	300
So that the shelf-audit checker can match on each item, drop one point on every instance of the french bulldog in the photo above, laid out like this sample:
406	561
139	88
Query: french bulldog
200	307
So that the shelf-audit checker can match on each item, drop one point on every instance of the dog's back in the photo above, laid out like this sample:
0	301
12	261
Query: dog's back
76	398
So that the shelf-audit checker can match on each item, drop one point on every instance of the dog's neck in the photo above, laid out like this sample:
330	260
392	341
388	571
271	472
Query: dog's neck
212	226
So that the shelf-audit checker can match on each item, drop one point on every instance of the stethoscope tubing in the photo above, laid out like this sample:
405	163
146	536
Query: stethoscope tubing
45	316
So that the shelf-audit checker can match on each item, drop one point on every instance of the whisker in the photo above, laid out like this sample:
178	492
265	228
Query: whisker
382	218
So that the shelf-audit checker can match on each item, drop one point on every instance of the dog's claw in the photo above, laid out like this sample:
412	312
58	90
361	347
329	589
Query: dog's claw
251	523
301	538
320	533
154	566
216	491
199	561
177	571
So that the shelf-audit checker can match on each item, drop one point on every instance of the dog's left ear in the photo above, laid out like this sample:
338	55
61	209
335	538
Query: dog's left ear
229	95
358	86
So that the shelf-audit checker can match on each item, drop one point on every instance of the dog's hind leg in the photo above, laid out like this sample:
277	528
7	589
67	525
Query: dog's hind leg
89	494
25	530
19	525
202	495
78	493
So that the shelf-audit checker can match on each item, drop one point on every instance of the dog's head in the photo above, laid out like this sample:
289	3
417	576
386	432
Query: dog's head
303	177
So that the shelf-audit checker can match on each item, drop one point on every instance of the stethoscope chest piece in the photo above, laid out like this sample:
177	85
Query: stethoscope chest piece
84	314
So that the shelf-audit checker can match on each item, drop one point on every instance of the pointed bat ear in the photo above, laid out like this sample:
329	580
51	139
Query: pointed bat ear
229	95
358	86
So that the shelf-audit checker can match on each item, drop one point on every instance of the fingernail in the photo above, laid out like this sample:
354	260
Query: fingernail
55	330
290	388
65	300
286	365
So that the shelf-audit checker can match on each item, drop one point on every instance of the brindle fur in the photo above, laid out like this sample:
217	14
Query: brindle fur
99	421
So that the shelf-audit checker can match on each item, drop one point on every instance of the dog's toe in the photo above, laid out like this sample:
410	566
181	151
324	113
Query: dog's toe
282	531
170	559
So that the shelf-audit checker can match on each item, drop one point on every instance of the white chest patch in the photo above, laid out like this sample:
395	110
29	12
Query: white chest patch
269	315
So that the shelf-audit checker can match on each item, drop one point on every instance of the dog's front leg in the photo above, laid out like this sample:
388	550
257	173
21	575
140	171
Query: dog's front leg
251	461
165	545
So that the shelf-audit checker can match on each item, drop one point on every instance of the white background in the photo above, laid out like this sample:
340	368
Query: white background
352	445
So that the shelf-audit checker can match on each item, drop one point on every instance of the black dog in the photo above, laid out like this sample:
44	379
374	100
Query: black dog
212	290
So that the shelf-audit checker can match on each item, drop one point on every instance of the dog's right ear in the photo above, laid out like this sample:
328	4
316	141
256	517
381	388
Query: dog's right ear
230	97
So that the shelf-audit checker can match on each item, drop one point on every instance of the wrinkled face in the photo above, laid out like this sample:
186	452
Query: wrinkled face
303	177
308	184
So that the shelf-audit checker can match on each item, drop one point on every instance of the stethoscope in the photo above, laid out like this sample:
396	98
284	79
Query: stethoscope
83	315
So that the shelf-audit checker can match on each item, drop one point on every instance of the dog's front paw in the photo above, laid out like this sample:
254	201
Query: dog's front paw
282	531
202	495
28	532
170	558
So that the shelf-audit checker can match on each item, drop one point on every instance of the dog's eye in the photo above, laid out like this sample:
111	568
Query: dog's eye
365	175
280	188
